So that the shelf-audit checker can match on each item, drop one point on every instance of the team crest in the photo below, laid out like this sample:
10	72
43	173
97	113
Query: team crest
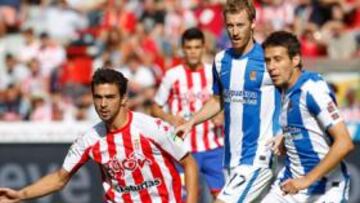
253	75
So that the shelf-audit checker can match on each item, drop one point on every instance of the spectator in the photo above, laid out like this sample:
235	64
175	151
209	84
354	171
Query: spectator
31	46
51	55
13	74
13	107
351	112
141	81
62	22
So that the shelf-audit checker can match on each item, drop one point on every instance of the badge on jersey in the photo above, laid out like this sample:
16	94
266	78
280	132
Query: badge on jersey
253	75
331	107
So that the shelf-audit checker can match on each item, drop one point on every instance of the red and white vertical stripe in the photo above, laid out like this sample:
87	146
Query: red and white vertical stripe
120	145
187	93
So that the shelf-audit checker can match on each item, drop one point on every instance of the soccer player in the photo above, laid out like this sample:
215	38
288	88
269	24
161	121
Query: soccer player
243	88
135	152
315	137
183	91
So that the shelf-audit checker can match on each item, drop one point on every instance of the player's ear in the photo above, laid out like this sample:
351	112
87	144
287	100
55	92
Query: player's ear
296	60
253	24
124	100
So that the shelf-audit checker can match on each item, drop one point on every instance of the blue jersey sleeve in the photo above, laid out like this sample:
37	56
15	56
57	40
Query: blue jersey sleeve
216	86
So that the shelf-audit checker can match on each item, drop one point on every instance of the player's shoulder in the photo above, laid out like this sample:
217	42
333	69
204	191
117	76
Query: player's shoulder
313	82
207	66
150	126
173	71
96	131
142	121
93	134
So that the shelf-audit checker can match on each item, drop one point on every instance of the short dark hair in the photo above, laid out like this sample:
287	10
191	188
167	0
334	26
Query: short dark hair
284	39
109	76
236	6
192	33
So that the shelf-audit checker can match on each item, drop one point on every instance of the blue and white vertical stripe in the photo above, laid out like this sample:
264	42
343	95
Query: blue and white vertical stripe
251	106
309	109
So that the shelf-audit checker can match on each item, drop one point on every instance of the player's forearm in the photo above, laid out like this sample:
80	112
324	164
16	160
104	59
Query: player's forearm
46	185
338	151
191	179
158	112
209	110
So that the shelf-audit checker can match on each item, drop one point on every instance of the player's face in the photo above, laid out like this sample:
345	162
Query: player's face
240	29
193	51
280	66
107	101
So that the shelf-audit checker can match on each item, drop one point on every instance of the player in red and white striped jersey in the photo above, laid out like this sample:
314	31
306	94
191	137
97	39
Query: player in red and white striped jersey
134	151
183	91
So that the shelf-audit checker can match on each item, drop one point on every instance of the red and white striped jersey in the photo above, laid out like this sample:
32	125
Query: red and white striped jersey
183	92
136	161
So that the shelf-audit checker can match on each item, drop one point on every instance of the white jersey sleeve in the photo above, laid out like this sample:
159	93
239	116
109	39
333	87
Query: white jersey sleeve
163	92
77	155
321	103
163	135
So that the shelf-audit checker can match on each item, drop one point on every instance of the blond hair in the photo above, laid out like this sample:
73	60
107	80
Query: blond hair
236	6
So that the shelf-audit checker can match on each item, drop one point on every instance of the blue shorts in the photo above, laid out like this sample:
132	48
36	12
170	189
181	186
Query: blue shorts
210	166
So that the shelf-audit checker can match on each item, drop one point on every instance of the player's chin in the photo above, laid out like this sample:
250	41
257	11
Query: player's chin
237	44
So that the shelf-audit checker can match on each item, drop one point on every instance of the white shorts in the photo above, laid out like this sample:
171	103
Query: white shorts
336	194
245	184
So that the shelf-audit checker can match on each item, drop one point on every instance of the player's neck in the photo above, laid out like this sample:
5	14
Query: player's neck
120	121
194	67
245	49
294	77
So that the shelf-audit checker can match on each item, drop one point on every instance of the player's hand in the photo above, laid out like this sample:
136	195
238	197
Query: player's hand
218	120
9	196
292	186
184	129
276	144
177	121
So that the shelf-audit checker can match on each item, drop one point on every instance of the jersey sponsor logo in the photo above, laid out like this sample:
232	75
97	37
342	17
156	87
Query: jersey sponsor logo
292	133
291	130
135	188
241	96
119	167
191	96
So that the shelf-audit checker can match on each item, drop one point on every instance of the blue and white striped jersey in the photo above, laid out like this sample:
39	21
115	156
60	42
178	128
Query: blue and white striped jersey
251	106
308	110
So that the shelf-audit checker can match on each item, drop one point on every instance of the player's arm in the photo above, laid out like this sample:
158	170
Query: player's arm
323	107
174	120
191	177
44	186
209	110
341	147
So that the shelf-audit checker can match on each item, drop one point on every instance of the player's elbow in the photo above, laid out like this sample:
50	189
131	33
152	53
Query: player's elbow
350	146
347	146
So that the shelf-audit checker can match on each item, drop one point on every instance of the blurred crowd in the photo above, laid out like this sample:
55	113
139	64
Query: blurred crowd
50	48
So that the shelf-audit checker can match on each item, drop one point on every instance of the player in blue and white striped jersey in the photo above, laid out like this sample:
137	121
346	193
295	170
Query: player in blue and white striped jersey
315	137
244	90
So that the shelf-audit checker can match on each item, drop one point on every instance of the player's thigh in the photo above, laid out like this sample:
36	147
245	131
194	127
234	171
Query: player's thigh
213	170
245	184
